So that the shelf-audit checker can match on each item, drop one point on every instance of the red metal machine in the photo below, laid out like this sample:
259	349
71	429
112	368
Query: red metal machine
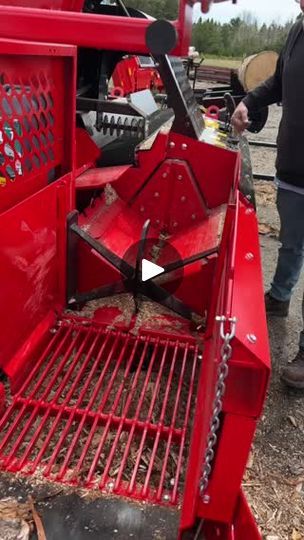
151	393
136	73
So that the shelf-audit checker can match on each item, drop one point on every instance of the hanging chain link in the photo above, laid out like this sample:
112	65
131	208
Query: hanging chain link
222	372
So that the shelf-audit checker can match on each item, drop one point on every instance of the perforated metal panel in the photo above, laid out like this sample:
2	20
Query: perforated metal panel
27	134
32	124
37	133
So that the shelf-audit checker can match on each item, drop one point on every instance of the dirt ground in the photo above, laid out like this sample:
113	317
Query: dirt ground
274	481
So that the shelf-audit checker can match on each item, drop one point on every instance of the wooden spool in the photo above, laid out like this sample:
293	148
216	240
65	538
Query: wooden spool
256	69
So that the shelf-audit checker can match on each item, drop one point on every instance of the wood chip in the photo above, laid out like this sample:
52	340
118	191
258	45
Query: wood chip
39	526
296	535
293	421
268	230
250	461
14	529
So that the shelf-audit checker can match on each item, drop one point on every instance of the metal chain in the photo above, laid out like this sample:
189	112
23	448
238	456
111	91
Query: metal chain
222	372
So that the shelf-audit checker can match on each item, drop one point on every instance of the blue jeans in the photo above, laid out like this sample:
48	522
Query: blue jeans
290	206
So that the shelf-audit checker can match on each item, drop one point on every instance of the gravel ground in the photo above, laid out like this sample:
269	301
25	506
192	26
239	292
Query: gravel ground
274	481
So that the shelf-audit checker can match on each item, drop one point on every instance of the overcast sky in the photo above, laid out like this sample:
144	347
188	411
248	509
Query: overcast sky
264	10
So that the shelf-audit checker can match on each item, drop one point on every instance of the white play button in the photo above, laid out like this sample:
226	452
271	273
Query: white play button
150	270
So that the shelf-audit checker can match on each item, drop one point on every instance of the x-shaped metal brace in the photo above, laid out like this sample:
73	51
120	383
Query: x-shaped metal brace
131	277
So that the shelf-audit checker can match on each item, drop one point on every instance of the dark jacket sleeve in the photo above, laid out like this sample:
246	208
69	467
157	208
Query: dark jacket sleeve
270	91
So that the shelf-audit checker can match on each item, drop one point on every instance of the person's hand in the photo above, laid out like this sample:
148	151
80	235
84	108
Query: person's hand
239	119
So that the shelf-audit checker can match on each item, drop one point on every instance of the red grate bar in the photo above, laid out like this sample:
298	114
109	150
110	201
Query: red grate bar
105	409
132	430
17	420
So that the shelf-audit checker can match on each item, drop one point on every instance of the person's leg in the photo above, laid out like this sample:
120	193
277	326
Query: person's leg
293	374
291	253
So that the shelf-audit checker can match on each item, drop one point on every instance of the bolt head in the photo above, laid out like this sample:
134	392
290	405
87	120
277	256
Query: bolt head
179	177
157	222
249	211
166	497
110	486
165	175
249	256
206	499
193	217
172	144
156	194
175	224
142	209
252	338
184	146
183	198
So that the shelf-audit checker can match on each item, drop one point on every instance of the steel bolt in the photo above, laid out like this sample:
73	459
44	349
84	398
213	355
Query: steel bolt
249	211
110	485
165	175
157	222
183	198
156	194
193	216
166	497
184	146
251	338
172	145
142	208
249	256
175	224
206	499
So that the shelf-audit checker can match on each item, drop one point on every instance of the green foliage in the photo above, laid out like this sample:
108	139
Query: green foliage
160	9
240	37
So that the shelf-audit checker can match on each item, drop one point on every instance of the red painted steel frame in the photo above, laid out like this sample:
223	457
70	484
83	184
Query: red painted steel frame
130	76
65	5
37	104
243	526
247	380
33	242
87	30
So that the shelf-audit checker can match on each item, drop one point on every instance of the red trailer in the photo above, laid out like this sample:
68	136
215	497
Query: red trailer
149	399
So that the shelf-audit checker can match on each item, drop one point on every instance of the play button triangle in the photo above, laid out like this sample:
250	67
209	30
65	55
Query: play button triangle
149	270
